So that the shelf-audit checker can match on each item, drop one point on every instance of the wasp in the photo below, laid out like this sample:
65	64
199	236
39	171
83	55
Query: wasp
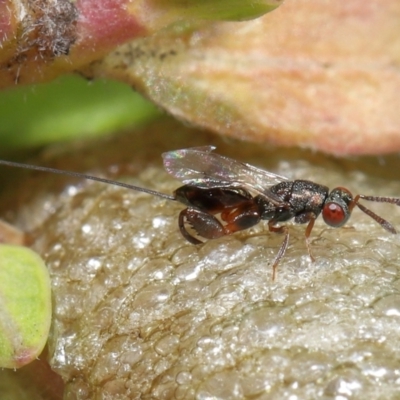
223	196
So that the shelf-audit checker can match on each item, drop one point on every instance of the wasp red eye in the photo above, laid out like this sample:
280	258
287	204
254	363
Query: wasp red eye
334	214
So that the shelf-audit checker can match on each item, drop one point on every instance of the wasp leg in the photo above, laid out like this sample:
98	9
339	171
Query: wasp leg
206	225
309	217
308	233
243	217
284	245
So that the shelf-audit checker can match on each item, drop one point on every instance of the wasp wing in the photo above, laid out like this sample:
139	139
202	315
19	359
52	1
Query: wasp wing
200	167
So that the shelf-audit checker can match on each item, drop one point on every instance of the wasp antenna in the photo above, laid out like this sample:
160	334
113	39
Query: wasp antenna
85	176
380	199
382	222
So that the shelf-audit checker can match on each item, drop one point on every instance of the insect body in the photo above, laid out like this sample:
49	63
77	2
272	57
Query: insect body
223	196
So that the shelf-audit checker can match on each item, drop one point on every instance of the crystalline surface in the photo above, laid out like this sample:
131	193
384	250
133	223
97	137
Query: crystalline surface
141	313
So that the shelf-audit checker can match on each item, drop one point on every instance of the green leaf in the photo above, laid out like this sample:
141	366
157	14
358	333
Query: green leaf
25	306
232	10
68	108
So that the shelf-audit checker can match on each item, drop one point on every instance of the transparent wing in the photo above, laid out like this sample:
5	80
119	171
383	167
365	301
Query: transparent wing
201	167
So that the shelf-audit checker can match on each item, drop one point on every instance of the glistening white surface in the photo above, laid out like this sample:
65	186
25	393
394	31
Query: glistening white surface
141	313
